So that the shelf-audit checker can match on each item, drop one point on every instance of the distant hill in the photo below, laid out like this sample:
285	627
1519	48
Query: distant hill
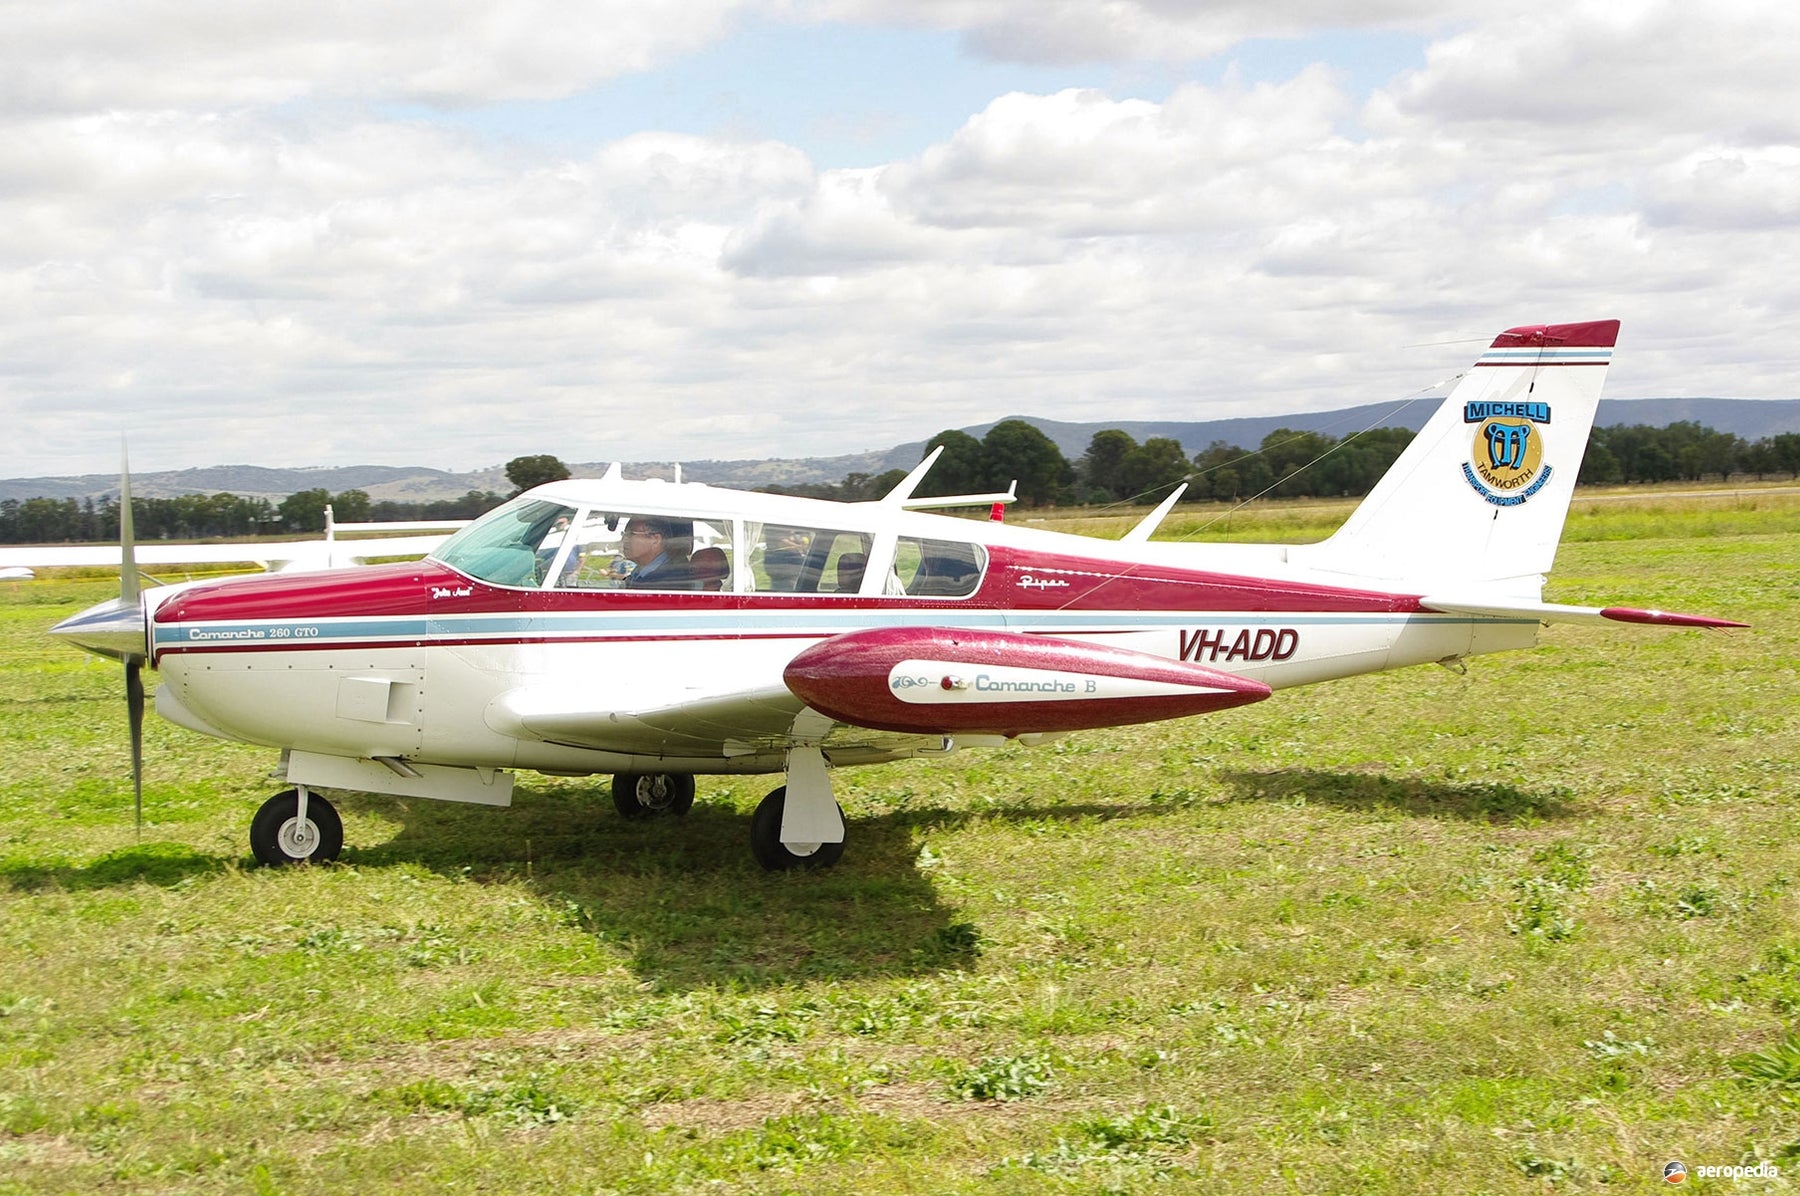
1753	419
398	482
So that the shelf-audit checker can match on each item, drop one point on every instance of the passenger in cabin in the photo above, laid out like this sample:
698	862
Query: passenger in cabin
657	556
850	567
710	568
786	557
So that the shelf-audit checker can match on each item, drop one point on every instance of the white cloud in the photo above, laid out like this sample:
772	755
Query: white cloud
1080	31
88	55
1747	190
1601	71
305	284
1082	164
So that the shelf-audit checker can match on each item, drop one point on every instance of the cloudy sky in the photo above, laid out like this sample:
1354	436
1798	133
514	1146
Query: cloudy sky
452	233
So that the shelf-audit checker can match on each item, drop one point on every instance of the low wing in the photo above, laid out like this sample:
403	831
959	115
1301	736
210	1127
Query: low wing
702	723
1550	612
884	689
756	726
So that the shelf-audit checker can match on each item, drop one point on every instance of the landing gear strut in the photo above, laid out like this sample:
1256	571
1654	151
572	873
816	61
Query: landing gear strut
296	826
640	795
776	856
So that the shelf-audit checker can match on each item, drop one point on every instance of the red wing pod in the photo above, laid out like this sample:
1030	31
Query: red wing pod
940	680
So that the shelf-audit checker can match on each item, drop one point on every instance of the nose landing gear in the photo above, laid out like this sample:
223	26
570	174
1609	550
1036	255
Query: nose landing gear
296	826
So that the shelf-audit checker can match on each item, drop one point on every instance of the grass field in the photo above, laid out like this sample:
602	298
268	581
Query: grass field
1535	927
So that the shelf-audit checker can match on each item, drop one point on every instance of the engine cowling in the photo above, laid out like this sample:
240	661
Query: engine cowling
944	680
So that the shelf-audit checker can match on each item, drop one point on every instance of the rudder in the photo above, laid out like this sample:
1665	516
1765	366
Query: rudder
1482	492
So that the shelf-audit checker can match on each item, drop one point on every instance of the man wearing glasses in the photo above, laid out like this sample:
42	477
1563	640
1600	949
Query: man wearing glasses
657	555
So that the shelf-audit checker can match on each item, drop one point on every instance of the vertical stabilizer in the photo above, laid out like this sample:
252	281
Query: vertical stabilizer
1481	493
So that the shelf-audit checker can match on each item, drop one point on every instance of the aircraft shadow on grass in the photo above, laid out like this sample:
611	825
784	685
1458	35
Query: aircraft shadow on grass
1493	802
162	864
685	898
693	911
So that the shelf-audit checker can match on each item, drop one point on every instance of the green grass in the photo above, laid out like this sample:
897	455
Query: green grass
1529	928
1616	513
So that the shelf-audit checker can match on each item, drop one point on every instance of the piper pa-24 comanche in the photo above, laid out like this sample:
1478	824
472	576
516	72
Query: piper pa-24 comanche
656	631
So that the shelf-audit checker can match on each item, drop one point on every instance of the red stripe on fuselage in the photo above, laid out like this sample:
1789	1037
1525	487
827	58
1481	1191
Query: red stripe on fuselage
1015	581
502	641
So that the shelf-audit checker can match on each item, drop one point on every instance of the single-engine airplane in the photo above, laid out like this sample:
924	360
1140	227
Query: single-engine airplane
656	631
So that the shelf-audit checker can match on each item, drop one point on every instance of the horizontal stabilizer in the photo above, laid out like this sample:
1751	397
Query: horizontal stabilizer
1550	612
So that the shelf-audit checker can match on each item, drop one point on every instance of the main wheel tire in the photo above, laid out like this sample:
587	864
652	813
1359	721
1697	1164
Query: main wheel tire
641	795
278	838
771	852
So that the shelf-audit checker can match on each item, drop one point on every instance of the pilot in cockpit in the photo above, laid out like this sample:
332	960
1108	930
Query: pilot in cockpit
657	556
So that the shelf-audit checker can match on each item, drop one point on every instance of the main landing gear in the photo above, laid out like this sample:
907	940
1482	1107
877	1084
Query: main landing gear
799	825
641	795
296	826
767	846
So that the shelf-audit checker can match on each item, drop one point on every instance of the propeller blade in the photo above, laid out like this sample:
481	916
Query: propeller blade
134	665
134	705
128	574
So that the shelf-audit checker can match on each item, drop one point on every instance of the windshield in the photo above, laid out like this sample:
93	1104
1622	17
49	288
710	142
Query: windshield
512	545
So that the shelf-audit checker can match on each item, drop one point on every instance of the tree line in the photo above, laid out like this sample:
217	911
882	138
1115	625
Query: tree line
1684	451
1287	463
1115	468
215	516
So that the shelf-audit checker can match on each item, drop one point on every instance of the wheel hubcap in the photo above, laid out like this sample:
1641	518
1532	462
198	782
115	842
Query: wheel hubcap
298	839
654	792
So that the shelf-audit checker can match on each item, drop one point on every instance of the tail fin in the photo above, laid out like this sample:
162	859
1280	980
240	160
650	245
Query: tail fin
1481	493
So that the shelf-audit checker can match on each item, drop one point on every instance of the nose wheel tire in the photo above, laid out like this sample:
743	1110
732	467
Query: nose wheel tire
278	837
776	856
641	795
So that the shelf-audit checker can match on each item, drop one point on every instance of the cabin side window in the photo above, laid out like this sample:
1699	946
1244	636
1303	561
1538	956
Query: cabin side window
787	559
936	568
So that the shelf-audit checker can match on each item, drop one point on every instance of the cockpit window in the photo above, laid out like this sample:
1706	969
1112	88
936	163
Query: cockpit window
614	551
591	560
539	544
512	545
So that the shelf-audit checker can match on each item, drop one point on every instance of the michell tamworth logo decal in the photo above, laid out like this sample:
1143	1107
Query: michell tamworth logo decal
1506	461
